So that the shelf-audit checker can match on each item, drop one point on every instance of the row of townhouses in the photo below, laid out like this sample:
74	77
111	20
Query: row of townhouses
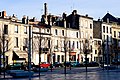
71	37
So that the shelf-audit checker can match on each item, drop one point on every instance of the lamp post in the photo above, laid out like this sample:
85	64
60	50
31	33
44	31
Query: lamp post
103	49
39	51
70	57
65	55
86	52
65	48
29	54
3	51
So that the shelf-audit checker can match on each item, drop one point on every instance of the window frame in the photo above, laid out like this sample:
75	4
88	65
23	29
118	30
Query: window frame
16	28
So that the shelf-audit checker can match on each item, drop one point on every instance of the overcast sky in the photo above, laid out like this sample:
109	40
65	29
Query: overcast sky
34	8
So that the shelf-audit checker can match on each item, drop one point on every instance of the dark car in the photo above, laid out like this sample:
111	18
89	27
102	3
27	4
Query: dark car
75	64
14	66
93	64
25	66
67	64
57	64
85	63
116	62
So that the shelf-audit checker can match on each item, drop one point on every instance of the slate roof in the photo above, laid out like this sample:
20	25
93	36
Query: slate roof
111	18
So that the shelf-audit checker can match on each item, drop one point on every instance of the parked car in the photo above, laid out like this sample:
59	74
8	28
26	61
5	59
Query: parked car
14	66
45	65
75	64
93	64
84	63
57	64
116	62
32	66
67	64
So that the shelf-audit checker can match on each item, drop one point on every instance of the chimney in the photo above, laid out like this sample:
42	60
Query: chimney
24	20
0	14
64	19
50	20
3	14
45	12
14	15
86	15
27	20
74	12
45	7
33	19
64	16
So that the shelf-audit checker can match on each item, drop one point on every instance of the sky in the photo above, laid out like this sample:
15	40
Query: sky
35	8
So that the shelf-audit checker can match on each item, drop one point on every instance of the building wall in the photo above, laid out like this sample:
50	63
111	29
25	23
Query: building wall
86	33
10	37
115	42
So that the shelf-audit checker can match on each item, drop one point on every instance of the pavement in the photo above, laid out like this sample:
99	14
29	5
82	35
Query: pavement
93	73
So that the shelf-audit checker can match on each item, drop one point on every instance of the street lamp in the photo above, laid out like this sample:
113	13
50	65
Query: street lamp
86	52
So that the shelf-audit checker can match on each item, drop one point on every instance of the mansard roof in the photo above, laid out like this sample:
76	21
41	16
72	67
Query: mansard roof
111	18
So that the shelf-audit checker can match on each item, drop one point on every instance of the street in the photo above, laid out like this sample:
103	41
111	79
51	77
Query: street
94	73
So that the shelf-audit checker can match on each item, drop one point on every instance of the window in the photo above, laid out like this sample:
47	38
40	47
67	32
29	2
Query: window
5	29
77	44
48	30
25	42
49	43
95	51
110	30
56	32
90	37
64	44
25	29
57	42
86	23
62	58
62	32
95	42
114	33
91	48
16	42
104	29
58	58
77	34
107	38
16	28
107	29
103	37
118	34
73	45
99	42
90	26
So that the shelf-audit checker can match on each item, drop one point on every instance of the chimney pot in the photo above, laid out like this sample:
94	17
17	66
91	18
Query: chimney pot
24	19
0	14
86	15
3	14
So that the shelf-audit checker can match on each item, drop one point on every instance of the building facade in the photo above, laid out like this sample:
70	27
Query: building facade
13	38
